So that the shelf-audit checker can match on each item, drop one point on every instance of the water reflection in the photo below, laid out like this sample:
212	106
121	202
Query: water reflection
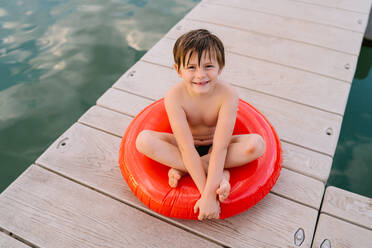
2	12
352	163
57	58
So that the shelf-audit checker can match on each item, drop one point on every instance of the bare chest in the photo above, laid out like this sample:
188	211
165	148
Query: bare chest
202	114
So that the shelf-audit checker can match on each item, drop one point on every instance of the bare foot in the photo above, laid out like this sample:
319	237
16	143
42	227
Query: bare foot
224	190
174	175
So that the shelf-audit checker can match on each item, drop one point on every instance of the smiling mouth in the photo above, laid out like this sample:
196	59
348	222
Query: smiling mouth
201	83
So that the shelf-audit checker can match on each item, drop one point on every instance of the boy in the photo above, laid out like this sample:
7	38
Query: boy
202	111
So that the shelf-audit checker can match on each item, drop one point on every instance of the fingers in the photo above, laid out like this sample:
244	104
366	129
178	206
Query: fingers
211	212
211	216
223	197
214	216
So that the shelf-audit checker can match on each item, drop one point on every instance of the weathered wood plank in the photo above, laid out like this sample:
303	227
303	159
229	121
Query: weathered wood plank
91	157
128	103
340	233
284	27
148	80
295	85
348	206
290	53
303	11
288	83
41	205
106	120
308	131
295	158
361	6
308	191
262	226
8	242
306	162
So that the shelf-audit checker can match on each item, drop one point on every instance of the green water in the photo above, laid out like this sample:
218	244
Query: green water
58	57
352	163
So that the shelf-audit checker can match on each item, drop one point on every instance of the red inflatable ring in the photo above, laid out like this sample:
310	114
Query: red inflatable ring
149	180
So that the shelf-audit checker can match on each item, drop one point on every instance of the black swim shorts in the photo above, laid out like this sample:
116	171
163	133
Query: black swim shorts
203	150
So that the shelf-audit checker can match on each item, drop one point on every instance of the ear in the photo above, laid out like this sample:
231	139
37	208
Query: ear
176	68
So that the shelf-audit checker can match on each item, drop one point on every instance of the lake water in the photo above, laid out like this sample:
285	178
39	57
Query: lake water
58	57
352	163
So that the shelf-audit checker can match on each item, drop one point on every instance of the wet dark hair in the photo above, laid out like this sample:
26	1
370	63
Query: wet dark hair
198	41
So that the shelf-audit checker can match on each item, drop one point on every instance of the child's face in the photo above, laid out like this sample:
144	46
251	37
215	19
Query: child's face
200	79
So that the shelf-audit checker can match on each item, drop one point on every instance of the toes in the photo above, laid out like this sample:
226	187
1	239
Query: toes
222	198
170	172
176	176
173	176
172	182
223	191
174	173
221	195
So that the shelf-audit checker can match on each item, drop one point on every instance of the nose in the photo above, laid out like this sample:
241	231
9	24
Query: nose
200	73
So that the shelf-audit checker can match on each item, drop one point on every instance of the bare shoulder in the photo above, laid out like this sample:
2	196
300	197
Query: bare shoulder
174	95
228	93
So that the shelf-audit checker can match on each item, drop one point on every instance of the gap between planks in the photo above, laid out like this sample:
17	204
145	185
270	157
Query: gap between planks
138	207
281	73
337	71
340	233
46	184
301	5
348	206
321	4
15	241
271	35
244	87
233	19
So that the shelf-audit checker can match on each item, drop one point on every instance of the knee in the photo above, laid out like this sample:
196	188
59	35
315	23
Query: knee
143	141
257	145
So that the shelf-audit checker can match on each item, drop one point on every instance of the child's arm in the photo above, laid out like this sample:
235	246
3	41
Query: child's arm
221	140
185	141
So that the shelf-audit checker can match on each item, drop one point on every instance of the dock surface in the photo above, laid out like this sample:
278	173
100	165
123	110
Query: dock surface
294	60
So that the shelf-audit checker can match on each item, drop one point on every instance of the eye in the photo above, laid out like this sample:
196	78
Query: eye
191	67
209	66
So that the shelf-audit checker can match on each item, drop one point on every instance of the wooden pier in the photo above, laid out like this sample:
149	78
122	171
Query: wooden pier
294	60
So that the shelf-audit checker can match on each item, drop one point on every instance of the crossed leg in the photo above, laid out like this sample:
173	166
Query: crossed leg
163	148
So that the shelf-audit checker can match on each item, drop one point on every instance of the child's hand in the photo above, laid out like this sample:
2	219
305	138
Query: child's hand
209	208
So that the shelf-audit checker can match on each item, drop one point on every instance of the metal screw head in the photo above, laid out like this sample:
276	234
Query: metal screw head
62	143
179	27
360	21
299	237
347	66
326	244
329	131
131	73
